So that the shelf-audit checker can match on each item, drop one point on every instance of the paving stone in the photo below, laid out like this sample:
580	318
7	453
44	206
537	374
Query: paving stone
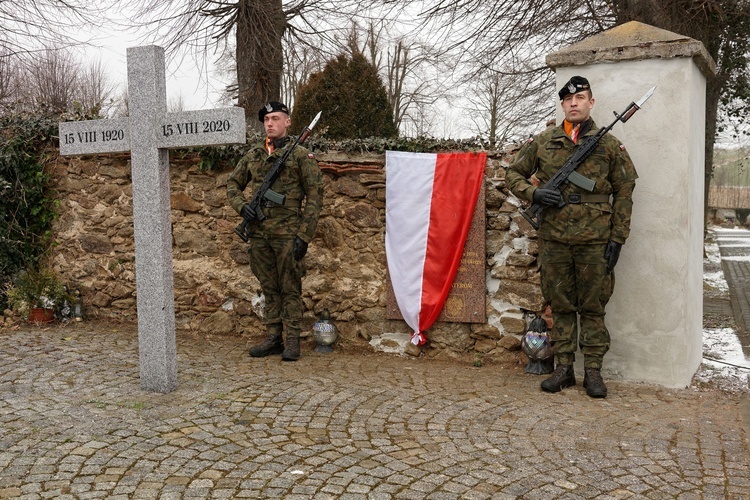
343	426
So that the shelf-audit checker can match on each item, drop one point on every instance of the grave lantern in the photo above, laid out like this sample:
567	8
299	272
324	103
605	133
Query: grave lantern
324	332
537	346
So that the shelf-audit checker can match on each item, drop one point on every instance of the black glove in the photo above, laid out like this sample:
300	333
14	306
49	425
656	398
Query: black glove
299	249
611	254
247	212
547	197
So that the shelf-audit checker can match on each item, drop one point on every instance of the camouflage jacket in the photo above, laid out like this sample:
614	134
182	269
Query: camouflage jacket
300	181
584	223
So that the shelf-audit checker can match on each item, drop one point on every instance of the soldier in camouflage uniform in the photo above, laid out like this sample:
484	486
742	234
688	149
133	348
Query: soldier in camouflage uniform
580	242
279	243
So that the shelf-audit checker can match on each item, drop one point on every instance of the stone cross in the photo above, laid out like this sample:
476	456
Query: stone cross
148	133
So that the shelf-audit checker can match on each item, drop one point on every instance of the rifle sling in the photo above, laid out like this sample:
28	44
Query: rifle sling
577	198
272	175
287	204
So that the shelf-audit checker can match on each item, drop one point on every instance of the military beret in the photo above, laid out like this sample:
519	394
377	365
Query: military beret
573	86
270	107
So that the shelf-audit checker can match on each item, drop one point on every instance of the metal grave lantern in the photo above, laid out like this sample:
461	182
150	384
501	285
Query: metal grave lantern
536	344
324	332
78	305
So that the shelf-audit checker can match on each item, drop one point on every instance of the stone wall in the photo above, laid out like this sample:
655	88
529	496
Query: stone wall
215	291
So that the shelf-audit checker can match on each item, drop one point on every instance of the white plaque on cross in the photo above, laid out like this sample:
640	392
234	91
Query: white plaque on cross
148	133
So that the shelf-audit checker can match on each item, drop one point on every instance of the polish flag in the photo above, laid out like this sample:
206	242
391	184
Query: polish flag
430	200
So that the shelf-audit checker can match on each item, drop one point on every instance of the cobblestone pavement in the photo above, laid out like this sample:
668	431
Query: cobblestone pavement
734	245
74	423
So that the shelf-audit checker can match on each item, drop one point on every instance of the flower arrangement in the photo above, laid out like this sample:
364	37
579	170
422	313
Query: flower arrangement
36	288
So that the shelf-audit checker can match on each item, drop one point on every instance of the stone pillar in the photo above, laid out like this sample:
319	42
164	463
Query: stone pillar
655	316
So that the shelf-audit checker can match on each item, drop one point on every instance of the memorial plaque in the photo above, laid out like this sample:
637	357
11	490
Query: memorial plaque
466	300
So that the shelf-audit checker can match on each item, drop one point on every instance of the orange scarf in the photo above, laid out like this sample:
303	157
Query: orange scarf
572	130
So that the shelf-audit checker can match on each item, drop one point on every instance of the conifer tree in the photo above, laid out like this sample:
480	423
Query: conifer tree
352	97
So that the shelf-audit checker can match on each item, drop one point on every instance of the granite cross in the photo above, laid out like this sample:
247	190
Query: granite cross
148	133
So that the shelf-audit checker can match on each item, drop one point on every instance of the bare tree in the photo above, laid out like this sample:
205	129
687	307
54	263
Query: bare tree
508	32
53	79
27	25
398	66
176	103
299	64
8	79
724	28
480	36
423	122
121	105
94	94
498	118
259	28
486	98
409	86
30	70
405	65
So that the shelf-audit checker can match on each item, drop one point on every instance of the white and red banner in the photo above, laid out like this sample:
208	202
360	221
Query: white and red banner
430	200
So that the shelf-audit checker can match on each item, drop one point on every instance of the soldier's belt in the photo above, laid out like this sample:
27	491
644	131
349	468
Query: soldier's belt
287	204
577	198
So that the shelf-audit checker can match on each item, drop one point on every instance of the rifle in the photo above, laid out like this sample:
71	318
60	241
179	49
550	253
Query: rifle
265	191
567	174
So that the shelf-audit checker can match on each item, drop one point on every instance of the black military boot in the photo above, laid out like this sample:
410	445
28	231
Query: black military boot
291	346
562	377
593	383
273	344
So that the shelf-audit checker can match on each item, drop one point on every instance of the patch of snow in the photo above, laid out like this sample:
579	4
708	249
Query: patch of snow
724	362
394	343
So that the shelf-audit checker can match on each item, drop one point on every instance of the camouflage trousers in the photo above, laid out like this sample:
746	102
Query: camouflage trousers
577	286
280	278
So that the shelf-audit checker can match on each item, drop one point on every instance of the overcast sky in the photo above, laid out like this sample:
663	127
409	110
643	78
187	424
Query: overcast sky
202	88
197	89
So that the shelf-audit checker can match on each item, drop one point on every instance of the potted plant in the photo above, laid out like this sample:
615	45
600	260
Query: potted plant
36	293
